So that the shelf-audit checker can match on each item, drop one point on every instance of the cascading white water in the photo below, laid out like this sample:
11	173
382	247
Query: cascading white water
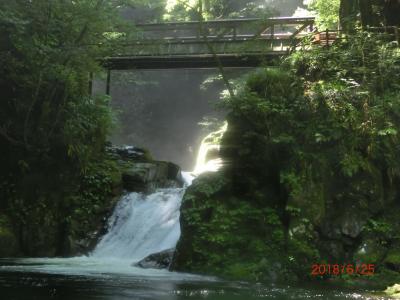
142	225
208	144
145	224
139	226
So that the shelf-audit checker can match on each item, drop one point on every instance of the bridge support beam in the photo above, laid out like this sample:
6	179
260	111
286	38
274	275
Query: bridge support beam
191	61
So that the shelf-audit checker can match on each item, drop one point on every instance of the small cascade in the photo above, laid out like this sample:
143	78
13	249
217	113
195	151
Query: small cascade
145	224
210	144
142	225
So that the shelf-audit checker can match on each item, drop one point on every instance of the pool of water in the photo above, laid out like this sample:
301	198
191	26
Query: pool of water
84	278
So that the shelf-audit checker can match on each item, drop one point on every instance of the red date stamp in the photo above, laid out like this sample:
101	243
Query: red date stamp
341	269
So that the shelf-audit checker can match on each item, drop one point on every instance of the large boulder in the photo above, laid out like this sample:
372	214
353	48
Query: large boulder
140	173
228	236
160	260
148	176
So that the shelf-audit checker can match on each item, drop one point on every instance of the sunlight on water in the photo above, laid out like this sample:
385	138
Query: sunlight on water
209	144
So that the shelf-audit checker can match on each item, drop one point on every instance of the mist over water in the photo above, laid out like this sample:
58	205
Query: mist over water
161	110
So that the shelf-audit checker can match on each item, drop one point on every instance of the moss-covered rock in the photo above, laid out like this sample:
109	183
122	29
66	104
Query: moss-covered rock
302	184
148	176
235	238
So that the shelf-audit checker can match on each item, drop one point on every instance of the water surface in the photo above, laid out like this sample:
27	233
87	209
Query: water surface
84	278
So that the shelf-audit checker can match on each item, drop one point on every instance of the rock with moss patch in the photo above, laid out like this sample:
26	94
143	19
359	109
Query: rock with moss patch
228	236
159	260
148	176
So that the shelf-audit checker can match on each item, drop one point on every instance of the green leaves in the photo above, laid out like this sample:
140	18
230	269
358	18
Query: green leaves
52	131
388	131
86	128
327	13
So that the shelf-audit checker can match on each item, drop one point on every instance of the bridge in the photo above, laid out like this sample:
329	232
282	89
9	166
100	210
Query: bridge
210	44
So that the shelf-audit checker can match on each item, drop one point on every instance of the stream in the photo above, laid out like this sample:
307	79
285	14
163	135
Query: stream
139	226
82	278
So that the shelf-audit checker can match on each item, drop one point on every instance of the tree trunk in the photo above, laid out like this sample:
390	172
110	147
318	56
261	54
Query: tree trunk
367	16
391	12
348	14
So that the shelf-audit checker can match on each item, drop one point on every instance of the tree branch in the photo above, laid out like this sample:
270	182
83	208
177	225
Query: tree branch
210	47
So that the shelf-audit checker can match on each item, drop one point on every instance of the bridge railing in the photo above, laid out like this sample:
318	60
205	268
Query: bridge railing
231	28
328	37
226	36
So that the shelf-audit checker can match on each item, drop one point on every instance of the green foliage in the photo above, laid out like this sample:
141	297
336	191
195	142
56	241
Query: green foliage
327	13
393	258
380	228
49	53
311	144
185	10
229	236
52	131
208	188
354	90
266	120
342	108
89	120
92	201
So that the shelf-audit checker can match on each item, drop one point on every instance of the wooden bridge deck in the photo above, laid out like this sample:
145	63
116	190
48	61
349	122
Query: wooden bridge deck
233	43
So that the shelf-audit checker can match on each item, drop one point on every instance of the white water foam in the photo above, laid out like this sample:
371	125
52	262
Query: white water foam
145	224
139	226
142	225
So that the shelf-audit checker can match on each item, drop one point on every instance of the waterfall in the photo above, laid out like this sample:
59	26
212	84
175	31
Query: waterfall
208	144
142	224
145	224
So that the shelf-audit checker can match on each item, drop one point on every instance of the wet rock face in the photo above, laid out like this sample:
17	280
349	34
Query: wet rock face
160	260
146	177
127	152
340	234
143	174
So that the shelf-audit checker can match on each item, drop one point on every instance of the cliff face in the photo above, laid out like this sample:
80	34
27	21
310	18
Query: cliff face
242	223
292	193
